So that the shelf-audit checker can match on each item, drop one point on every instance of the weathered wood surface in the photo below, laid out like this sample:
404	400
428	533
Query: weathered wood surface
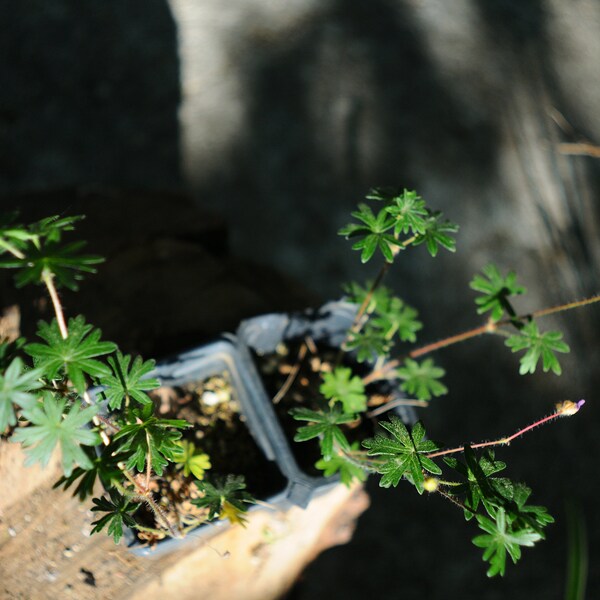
46	552
166	284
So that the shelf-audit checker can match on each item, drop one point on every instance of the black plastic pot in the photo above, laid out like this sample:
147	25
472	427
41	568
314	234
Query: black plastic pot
222	355
262	335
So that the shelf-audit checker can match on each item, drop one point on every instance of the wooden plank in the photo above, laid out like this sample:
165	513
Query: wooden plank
46	552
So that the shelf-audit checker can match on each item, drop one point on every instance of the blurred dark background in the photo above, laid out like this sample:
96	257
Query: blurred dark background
274	119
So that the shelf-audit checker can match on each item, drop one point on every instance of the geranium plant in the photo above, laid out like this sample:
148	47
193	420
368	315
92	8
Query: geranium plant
118	434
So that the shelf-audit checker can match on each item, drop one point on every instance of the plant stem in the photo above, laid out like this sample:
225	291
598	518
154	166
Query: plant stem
14	251
395	403
291	376
48	279
144	495
357	323
148	460
454	501
360	459
489	327
564	409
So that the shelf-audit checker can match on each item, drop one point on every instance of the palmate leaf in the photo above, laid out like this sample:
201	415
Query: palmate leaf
480	485
397	318
389	316
404	454
223	495
73	356
13	236
538	345
341	385
52	228
62	262
502	537
150	437
16	385
380	297
437	233
374	231
104	467
421	380
192	460
347	470
368	343
118	511
52	425
409	212
325	426
125	383
495	290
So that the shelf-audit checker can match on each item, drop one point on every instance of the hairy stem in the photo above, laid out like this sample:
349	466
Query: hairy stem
489	327
144	495
564	409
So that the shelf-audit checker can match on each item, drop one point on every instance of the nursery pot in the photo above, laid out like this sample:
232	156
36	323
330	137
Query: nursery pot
261	336
223	356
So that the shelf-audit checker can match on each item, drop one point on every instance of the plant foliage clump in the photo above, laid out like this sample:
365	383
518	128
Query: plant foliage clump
46	404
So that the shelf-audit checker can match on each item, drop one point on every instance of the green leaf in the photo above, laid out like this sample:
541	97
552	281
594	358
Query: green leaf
380	296
73	356
436	233
52	425
52	228
340	385
404	452
495	291
421	380
16	385
480	485
118	510
368	344
324	426
13	237
192	460
373	229
126	384
338	463
389	316
409	212
150	438
230	490
397	318
538	345
62	262
502	537
104	467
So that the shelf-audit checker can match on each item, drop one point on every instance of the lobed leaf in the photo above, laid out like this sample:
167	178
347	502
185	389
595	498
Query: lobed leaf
125	384
73	356
52	425
16	385
118	509
421	380
538	345
495	290
341	385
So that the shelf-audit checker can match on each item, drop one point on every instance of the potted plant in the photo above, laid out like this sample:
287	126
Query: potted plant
332	370
142	429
